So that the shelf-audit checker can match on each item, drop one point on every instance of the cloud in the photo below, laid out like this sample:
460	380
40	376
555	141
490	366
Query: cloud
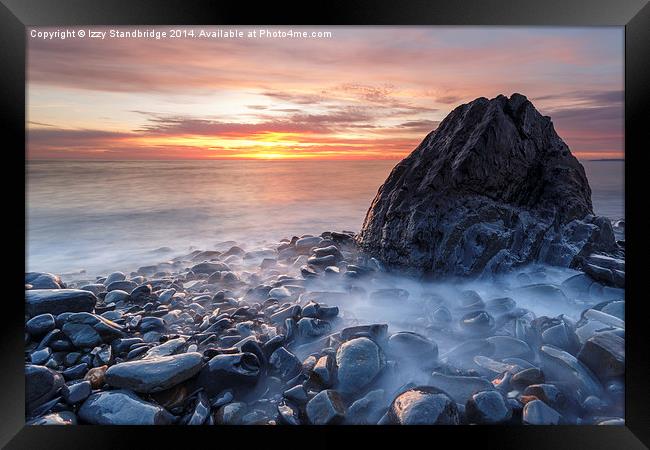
390	85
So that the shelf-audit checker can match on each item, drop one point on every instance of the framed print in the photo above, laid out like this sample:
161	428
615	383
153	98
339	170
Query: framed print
265	225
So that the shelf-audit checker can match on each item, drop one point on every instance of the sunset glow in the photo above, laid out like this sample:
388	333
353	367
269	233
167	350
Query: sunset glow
364	93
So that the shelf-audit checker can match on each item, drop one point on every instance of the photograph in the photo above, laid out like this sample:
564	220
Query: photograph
324	225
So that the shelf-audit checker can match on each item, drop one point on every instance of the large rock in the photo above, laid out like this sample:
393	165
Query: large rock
57	301
560	365
359	361
41	385
39	280
238	371
492	187
424	405
122	407
154	374
326	408
604	354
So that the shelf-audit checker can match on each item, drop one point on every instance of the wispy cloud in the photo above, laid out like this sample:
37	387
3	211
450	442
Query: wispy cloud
368	91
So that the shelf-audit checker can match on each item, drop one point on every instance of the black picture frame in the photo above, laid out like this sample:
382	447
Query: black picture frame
15	15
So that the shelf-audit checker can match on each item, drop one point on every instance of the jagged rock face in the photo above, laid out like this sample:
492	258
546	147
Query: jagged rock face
492	187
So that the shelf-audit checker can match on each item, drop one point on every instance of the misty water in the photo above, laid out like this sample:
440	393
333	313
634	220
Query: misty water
100	216
87	219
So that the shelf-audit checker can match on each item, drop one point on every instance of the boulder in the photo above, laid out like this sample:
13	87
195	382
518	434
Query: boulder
359	361
122	407
488	407
41	385
154	374
539	413
424	405
238	371
57	301
326	408
493	187
604	354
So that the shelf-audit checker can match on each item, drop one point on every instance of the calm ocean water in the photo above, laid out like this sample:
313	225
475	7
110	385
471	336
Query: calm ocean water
101	216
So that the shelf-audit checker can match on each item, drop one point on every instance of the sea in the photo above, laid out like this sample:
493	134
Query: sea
94	217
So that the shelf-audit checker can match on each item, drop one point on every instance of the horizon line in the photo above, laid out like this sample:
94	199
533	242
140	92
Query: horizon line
253	159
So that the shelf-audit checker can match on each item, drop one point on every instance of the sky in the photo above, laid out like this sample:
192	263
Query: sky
361	93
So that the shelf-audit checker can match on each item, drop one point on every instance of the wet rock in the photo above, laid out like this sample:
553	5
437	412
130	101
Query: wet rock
96	376
238	371
608	270
307	243
537	412
76	392
526	377
495	367
423	405
508	347
481	194
322	261
94	288
39	357
500	305
376	332
477	323
210	267
231	414
115	276
465	352
460	388
546	294
151	324
122	407
488	407
560	365
142	294
368	409
281	315
89	330
309	327
324	371
167	348
561	336
57	301
40	325
285	363
325	408
154	374
469	300
75	372
547	393
117	296
359	361
615	308
406	345
123	285
296	394
40	280
441	317
604	355
201	410
41	385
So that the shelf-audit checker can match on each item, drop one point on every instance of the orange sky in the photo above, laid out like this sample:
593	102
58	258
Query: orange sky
363	93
